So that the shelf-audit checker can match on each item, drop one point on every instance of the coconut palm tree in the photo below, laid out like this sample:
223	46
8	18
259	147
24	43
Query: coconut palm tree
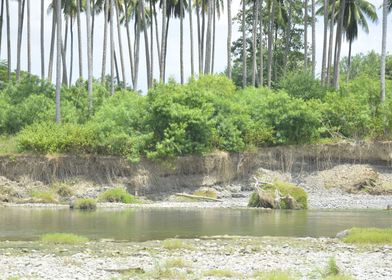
80	47
191	37
42	39
324	59
89	57
229	35
244	70
254	40
386	7
356	14
28	37
338	43
7	7
271	8
58	60
21	7
261	51
313	38
306	35
1	23
207	64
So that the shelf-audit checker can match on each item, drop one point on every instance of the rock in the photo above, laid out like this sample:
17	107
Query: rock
342	234
234	188
238	195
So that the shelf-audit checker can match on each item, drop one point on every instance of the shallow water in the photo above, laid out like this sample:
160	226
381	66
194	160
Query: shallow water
147	224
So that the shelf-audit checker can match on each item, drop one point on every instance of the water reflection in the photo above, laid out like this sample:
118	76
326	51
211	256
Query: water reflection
146	224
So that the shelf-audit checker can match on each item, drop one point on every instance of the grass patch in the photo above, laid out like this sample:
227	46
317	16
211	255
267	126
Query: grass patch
175	244
332	268
273	275
118	195
164	272
284	189
63	190
223	273
338	277
177	262
63	238
8	145
369	235
85	204
206	192
44	196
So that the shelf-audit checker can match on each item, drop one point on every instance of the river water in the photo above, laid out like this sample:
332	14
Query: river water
140	224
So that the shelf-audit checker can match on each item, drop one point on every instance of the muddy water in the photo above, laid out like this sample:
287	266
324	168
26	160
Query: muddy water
147	224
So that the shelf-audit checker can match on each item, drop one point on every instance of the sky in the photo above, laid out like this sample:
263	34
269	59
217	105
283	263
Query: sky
364	43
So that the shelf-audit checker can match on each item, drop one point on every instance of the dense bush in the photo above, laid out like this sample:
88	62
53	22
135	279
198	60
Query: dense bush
195	118
85	204
302	85
118	195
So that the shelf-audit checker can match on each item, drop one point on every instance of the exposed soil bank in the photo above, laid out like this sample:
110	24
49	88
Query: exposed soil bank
239	258
92	174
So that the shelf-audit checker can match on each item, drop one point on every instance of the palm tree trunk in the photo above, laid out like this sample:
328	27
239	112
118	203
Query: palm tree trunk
58	61
89	58
325	42
120	44
42	39
270	43
1	23
288	37
213	37
151	46
111	49
165	53
254	41
203	28
71	56
244	74
306	35
191	37
229	35
64	64
92	26
80	50
52	42
146	45
28	38
116	66
199	37
207	65
21	6
383	48
349	61
129	41
7	7
182	41
162	61
339	34
105	39
313	39
137	55
157	32
64	51
330	47
261	70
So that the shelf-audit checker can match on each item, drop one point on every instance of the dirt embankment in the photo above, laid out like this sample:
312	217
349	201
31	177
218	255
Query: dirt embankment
24	173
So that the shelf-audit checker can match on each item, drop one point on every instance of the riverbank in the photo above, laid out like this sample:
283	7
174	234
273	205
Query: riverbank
234	257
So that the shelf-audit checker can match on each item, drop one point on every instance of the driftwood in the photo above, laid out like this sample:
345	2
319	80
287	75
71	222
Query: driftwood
198	197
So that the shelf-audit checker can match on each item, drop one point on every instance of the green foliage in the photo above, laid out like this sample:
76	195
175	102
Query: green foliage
302	85
44	196
369	235
85	204
118	195
220	273
332	268
53	138
63	238
284	189
273	275
175	244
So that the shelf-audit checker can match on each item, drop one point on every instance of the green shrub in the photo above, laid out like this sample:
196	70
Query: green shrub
85	204
118	195
44	196
221	273
302	85
175	244
63	190
54	138
273	275
63	238
332	268
284	189
369	235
